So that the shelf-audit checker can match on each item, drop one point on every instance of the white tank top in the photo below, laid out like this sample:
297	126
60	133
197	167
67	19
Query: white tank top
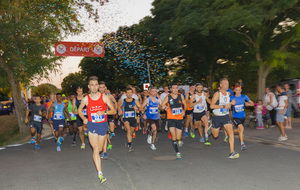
223	100
200	107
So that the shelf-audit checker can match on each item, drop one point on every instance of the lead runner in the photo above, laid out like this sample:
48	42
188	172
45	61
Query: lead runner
96	104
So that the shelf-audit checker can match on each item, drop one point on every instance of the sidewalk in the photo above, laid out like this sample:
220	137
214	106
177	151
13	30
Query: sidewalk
270	135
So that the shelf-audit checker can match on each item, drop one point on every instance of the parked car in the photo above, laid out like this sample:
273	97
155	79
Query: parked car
295	88
6	107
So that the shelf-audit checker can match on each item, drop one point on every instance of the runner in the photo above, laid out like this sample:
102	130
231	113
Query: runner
281	111
198	102
38	111
58	108
96	104
163	113
110	118
50	121
176	107
152	104
76	104
129	106
221	105
189	110
238	113
73	122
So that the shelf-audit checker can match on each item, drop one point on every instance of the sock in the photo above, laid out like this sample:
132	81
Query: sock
206	136
242	143
186	129
100	173
175	146
129	144
74	137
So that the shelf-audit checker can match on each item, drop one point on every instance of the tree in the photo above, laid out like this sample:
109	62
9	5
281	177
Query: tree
72	82
270	30
29	29
44	89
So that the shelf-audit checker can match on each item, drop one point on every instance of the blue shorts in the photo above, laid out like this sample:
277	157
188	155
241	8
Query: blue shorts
98	128
58	124
280	117
289	111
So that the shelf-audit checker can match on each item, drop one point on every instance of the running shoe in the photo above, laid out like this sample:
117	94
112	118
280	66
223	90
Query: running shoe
282	138
86	134
115	126
65	134
192	133
140	128
133	135
234	155
130	149
144	131
243	147
122	127
178	156
226	139
58	149
180	144
149	139
209	129
109	147
119	123
152	146
82	146
104	156
185	134
207	143
73	143
201	139
37	146
170	136
166	127
32	140
102	178
113	134
261	127
136	128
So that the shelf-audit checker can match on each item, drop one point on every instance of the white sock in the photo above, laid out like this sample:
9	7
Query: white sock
100	173
206	136
186	130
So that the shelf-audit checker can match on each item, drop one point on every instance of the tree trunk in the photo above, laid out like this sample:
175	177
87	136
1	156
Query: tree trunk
17	99
263	72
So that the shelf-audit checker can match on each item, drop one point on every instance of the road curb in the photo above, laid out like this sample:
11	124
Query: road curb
272	142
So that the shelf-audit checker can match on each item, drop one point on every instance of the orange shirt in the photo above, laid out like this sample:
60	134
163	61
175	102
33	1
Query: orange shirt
174	107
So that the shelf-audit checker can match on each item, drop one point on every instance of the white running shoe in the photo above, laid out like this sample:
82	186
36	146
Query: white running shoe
149	139
152	146
282	138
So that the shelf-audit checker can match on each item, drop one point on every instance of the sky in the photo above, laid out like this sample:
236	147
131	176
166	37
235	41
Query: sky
113	14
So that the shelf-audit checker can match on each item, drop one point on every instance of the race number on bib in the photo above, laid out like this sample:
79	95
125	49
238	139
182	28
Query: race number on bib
224	110
153	110
176	111
72	115
84	112
37	118
129	114
239	108
58	116
97	118
199	108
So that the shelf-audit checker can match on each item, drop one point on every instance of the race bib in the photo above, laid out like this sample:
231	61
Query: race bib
72	115
199	108
37	118
97	118
153	110
84	112
129	114
57	116
239	108
224	110
176	111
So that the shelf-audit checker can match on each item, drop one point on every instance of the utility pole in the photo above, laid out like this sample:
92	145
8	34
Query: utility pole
148	73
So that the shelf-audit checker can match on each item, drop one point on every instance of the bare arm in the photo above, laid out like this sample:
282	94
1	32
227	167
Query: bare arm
164	103
193	102
214	101
120	105
145	103
50	109
26	117
184	104
110	105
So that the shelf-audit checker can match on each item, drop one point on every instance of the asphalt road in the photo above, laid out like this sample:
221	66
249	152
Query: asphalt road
261	167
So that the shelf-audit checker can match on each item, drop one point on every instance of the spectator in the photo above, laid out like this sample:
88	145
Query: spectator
288	120
271	103
259	112
281	111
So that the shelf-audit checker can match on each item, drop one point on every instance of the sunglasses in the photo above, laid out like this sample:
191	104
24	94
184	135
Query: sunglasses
238	87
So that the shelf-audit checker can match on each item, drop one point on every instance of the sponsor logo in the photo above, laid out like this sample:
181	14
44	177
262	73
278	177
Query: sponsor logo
98	49
61	48
96	108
